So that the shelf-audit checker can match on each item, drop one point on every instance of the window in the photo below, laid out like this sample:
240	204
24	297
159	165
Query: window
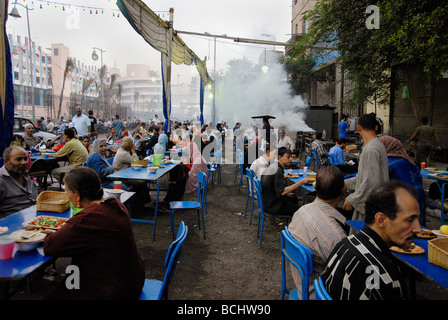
56	51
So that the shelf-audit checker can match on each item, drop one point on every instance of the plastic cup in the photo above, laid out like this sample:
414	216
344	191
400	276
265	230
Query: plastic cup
157	159
117	184
6	246
423	165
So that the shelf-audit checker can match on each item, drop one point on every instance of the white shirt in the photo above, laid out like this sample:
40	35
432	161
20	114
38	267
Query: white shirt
81	124
259	166
285	142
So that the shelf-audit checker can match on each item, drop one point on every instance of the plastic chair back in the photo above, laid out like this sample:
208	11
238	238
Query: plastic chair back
258	190
180	234
316	159
319	289
330	159
250	182
308	161
202	187
110	160
300	257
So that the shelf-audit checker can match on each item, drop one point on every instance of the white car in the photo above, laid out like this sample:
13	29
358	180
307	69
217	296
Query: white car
19	129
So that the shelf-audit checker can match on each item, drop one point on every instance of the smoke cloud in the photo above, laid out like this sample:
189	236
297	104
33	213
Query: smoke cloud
243	93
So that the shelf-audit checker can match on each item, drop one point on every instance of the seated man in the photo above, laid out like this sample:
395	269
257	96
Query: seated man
17	191
260	165
338	157
30	139
320	149
73	149
278	194
361	266
318	225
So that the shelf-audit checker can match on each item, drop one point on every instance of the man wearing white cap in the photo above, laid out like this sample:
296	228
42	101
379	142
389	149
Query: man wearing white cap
30	139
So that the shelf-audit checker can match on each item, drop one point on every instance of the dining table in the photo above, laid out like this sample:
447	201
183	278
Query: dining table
23	263
143	174
300	175
416	262
441	177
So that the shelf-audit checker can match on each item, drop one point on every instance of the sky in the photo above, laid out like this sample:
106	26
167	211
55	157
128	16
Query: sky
81	31
74	26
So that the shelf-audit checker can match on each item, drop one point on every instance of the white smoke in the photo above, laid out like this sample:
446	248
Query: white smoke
255	94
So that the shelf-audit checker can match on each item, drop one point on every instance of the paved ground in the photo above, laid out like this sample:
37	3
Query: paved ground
228	265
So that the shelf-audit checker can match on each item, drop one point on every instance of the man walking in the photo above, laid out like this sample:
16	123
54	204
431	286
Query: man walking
425	135
81	123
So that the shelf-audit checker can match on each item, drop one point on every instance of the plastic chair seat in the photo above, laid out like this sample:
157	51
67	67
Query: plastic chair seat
151	289
178	205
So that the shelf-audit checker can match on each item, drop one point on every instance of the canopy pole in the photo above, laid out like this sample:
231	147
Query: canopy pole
168	72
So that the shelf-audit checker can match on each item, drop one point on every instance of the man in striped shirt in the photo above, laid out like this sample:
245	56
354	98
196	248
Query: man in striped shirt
318	225
361	266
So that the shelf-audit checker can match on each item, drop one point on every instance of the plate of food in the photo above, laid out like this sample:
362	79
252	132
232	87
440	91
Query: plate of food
413	249
292	175
426	234
46	222
3	230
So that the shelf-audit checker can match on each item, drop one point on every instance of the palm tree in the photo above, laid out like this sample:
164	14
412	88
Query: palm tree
86	83
69	66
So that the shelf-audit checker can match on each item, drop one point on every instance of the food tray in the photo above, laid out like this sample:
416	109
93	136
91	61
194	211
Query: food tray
38	222
438	252
52	201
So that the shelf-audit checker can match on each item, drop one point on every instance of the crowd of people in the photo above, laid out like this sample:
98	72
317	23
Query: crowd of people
386	192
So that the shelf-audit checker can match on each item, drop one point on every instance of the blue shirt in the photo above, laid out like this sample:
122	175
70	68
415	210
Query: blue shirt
342	129
338	155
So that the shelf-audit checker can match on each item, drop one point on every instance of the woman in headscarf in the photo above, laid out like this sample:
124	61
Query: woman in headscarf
197	163
160	147
403	168
98	162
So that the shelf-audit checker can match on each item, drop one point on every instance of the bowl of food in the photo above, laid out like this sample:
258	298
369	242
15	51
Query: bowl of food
137	166
152	169
28	240
114	193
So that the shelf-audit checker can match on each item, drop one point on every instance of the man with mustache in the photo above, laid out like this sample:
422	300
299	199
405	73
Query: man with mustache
17	191
361	266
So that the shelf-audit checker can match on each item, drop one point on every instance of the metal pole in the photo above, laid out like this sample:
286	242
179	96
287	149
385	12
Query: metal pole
214	85
31	64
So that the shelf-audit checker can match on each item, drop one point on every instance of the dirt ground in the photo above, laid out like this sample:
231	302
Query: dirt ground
229	264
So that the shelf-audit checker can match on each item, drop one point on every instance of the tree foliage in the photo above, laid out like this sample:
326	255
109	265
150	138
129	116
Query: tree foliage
412	33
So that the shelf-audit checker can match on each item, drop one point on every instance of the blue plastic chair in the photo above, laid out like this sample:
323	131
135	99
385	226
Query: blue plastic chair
301	258
215	167
191	205
110	160
250	192
330	159
261	212
308	161
156	289
319	289
315	159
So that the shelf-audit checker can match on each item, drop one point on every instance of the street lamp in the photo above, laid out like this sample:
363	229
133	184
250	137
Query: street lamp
15	13
95	58
214	74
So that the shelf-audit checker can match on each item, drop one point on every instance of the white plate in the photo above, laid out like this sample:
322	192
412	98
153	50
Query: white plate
439	234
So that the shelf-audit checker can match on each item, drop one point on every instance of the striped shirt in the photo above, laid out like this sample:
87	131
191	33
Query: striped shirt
319	227
361	267
320	149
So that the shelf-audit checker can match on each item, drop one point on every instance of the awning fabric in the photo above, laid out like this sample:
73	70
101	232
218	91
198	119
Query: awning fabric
6	85
157	33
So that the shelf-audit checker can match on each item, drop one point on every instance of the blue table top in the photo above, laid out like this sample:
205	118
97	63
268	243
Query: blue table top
417	262
432	175
23	263
141	174
295	180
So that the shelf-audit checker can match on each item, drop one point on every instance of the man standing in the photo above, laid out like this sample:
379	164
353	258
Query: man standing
81	122
30	139
373	169
285	141
50	126
278	194
156	119
17	191
337	152
343	127
318	225
425	134
118	124
320	149
93	122
361	266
